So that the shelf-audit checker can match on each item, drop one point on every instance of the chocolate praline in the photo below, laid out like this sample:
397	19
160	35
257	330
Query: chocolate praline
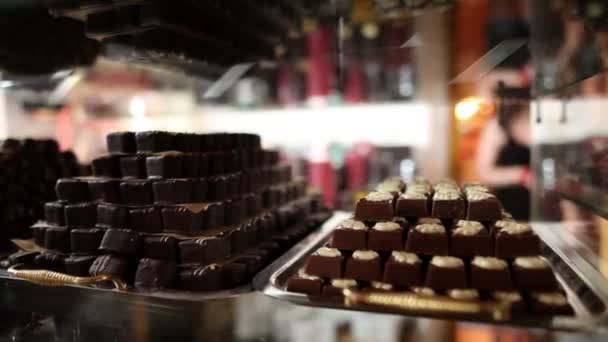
364	266
403	269
376	206
325	262
350	235
446	272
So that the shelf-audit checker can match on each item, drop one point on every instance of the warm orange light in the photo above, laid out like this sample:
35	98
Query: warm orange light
469	107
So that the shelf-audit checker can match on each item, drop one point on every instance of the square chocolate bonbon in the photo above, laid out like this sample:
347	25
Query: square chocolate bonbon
470	238
81	215
184	219
516	239
413	204
160	247
121	143
446	272
156	274
482	206
350	235
492	274
57	239
204	250
550	303
112	265
121	241
448	204
165	165
105	190
153	141
72	190
172	191
54	213
403	269
137	192
428	239
326	262
207	278
79	265
112	216
376	206
364	266
533	274
86	241
106	166
133	167
305	283
146	220
386	237
50	261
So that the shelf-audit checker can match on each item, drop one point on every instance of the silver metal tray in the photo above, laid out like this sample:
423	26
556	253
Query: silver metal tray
580	283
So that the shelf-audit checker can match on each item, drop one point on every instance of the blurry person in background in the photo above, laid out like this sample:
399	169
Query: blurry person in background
503	156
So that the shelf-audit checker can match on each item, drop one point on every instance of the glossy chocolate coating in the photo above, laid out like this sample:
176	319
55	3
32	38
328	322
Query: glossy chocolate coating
137	192
72	190
156	274
105	190
79	265
121	241
146	220
160	247
121	143
82	215
86	241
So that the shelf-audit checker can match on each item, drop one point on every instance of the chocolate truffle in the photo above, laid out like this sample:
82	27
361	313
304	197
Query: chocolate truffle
54	213
111	265
516	240
207	278
121	143
86	241
489	273
446	272
482	206
427	239
172	191
165	165
105	190
376	206
106	166
121	241
79	265
350	235
72	190
412	204
156	274
364	266
335	288
153	141
513	298
305	283
160	247
533	274
550	303
133	167
470	238
204	250
146	220
386	237
325	262
137	192
463	294
447	204
112	216
403	269
83	215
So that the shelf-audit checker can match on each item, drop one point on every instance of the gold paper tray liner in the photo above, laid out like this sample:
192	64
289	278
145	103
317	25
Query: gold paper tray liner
50	278
498	311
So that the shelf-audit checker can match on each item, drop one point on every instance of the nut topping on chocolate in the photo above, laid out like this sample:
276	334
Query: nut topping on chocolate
405	257
378	196
463	294
516	228
551	298
468	228
388	187
490	263
531	262
446	195
478	195
387	226
509	297
304	275
352	224
328	252
365	255
447	261
414	195
382	286
429	220
430	228
344	283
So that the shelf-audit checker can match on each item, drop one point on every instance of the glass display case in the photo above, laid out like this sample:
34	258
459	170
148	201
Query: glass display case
350	92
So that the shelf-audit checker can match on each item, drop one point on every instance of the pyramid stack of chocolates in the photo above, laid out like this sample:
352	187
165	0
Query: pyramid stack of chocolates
441	240
29	169
171	210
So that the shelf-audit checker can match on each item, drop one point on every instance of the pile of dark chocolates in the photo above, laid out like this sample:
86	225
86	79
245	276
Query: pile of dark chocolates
29	169
171	210
442	240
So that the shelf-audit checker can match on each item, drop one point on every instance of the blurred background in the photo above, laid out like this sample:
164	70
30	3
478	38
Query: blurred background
508	92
